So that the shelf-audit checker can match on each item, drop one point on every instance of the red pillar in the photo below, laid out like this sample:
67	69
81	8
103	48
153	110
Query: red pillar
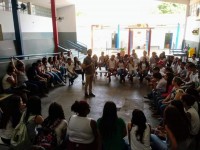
129	42
149	44
54	24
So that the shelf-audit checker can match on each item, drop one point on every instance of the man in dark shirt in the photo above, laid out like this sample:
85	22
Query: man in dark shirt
89	70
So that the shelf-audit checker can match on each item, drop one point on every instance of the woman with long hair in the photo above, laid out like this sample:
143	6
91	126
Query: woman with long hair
177	131
10	118
33	116
112	129
82	130
56	123
139	131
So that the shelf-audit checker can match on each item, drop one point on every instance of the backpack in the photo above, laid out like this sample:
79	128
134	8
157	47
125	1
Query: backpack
20	138
47	137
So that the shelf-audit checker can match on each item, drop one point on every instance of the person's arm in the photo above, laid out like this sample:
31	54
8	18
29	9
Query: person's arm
12	81
39	119
96	134
171	138
129	127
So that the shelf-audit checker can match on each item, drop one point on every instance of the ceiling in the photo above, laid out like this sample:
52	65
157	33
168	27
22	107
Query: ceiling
62	3
47	3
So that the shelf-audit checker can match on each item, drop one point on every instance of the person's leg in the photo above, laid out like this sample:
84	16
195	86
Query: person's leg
157	143
90	86
86	83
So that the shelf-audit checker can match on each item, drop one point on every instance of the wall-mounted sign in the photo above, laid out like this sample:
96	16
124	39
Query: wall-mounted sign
195	31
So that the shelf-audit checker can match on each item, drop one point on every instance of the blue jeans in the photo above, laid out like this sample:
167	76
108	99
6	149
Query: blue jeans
157	143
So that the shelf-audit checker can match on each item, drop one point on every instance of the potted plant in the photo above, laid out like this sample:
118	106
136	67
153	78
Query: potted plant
122	52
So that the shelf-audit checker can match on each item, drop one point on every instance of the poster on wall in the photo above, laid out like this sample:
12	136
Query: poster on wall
1	34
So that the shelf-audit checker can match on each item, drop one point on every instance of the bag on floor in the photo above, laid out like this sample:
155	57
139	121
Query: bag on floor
47	137
20	138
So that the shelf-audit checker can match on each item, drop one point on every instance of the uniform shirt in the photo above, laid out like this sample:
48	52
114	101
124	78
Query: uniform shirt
5	83
135	143
79	130
90	69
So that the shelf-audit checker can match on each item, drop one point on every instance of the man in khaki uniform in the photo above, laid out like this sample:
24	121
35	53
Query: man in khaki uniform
89	70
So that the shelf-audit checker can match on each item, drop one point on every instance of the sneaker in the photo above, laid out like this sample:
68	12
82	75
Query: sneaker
92	95
62	83
86	95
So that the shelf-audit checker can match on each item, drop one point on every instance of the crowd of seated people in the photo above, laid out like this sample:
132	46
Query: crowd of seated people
174	100
43	74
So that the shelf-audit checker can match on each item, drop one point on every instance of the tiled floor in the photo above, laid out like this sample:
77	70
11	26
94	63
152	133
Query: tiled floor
127	96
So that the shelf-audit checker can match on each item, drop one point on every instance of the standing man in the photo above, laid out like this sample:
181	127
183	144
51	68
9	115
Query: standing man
89	70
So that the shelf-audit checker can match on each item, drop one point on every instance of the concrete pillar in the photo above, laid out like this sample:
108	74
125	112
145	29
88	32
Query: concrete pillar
54	24
17	27
7	5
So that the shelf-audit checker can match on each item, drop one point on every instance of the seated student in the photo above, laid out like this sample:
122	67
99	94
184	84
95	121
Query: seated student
78	69
112	128
71	71
95	61
9	84
22	79
59	64
192	114
182	71
131	69
34	77
101	62
33	118
56	122
177	131
41	72
112	67
9	80
139	131
82	130
121	70
193	75
54	73
10	118
143	68
174	95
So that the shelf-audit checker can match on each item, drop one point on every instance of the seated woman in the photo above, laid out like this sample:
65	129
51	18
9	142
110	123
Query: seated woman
33	118
112	129
177	131
78	69
9	81
82	131
10	84
139	131
112	67
131	69
54	73
121	70
59	64
10	118
71	71
143	68
54	122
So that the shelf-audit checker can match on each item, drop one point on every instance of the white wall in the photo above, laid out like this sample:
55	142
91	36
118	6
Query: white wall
6	21
191	25
68	24
29	23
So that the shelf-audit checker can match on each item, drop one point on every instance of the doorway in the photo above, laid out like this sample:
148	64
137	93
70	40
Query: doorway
168	40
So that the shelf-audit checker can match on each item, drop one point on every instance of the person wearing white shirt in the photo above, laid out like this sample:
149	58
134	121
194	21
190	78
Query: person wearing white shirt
71	71
139	131
193	59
